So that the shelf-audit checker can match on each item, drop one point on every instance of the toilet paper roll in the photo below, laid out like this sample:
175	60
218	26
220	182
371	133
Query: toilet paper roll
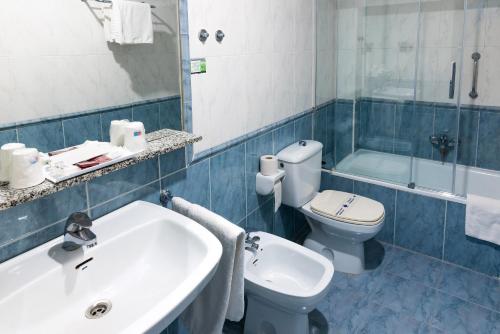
27	169
135	137
277	196
6	159
116	132
268	165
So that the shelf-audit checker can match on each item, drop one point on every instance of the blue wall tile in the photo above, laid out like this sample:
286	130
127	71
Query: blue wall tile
466	251
414	126
45	136
78	130
262	218
330	129
170	114
343	130
191	183
387	197
111	185
172	162
333	182
148	114
227	173
107	117
303	128
284	222
489	140
467	137
420	223
35	215
8	136
320	119
255	148
149	193
376	125
283	137
18	247
299	222
445	123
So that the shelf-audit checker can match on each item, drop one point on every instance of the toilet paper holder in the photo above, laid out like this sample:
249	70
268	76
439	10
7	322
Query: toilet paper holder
265	184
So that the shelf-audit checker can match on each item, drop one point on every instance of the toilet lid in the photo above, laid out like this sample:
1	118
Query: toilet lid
348	207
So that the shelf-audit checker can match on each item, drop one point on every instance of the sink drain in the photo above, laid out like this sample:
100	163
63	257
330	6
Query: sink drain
98	310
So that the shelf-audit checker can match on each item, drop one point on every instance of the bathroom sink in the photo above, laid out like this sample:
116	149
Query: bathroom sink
148	265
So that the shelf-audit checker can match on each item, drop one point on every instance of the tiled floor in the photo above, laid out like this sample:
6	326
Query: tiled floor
405	292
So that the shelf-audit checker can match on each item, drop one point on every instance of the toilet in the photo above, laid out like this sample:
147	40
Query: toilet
340	222
283	283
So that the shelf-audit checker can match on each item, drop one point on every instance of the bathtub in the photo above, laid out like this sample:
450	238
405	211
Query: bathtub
431	177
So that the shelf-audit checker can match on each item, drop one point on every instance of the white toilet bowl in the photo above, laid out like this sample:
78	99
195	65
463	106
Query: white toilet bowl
340	222
340	241
283	282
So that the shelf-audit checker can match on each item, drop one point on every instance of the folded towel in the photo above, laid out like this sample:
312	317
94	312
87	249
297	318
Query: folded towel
482	218
128	22
223	297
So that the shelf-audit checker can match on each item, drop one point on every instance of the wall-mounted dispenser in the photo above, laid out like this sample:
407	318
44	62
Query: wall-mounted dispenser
268	181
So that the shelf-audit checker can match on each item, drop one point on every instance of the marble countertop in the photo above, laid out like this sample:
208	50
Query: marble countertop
159	142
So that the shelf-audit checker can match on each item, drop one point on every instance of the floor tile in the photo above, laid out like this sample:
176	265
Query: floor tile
457	316
471	286
404	296
415	267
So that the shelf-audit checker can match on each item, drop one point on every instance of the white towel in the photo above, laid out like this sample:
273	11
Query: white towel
128	22
482	218
223	297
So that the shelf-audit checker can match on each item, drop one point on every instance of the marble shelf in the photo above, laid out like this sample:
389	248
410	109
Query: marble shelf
159	142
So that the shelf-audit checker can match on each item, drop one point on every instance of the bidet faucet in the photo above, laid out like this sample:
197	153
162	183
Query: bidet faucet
77	232
251	243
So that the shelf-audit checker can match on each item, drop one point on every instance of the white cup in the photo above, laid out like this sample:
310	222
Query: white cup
6	159
135	137
27	169
116	132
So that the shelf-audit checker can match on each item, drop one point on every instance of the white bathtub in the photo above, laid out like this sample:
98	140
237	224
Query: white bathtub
428	175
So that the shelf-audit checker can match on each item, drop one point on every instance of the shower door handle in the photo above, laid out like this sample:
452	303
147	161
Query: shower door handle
475	57
451	90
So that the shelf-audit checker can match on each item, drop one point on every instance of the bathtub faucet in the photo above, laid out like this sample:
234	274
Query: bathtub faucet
443	143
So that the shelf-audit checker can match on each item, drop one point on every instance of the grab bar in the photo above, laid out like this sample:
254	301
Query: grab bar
475	57
451	91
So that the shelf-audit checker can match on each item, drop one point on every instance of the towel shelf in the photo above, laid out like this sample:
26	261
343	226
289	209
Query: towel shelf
109	1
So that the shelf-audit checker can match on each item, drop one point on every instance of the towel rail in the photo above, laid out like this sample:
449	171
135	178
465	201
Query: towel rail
109	1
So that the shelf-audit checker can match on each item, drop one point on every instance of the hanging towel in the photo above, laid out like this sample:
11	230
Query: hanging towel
223	297
482	218
128	22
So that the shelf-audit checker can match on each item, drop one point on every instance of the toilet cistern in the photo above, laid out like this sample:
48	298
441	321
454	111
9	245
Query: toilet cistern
77	232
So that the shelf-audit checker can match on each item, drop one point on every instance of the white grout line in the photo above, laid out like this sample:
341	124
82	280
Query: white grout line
395	216
17	135
477	137
444	228
87	195
210	183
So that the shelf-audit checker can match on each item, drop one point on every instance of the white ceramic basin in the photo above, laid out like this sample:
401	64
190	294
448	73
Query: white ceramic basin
150	263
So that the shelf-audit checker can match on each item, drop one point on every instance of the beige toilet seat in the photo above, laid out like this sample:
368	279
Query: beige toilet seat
348	208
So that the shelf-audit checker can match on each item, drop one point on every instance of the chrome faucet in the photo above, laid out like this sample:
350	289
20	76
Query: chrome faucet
443	143
77	232
251	243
